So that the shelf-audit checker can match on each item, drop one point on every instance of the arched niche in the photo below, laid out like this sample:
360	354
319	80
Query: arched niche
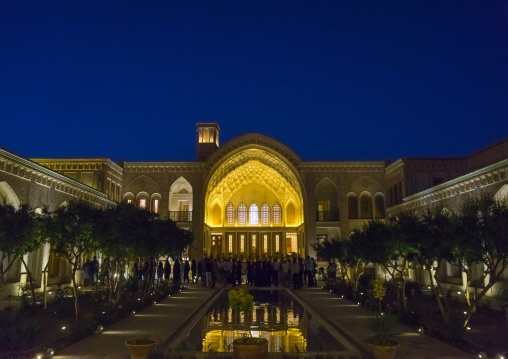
8	196
379	205
327	200
502	193
256	176
180	196
352	206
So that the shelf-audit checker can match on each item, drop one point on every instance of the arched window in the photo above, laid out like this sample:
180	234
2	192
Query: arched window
379	202
365	206
352	204
265	214
230	215
242	215
253	215
277	215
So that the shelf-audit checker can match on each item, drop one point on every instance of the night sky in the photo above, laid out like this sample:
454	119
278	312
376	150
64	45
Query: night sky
333	80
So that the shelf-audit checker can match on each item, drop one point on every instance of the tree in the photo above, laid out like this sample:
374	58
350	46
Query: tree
482	238
18	237
383	243
434	235
74	230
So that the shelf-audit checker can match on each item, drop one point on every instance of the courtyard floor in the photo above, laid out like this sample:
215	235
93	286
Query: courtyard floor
166	319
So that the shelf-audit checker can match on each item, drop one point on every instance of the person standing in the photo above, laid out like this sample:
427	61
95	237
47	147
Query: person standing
193	270
208	266
331	270
309	268
177	272
238	272
167	270
187	270
160	271
275	272
295	270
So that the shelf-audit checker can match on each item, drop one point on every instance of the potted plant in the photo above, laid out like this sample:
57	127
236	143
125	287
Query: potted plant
140	348
383	343
246	347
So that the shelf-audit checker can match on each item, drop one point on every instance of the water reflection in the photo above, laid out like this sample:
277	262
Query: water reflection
276	317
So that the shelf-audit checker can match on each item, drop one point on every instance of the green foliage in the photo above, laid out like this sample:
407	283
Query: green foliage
240	300
383	328
379	290
22	336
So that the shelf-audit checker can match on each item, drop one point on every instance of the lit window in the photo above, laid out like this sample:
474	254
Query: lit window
129	201
277	217
265	243
254	242
156	205
230	240
242	243
253	215
142	203
230	215
242	215
277	243
265	214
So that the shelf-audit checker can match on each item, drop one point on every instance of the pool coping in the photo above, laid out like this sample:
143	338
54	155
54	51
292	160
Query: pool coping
351	347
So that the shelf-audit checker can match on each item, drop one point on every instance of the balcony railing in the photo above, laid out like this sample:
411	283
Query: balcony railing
327	216
180	216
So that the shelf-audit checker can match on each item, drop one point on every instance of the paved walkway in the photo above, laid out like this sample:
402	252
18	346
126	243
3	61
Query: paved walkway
349	319
159	322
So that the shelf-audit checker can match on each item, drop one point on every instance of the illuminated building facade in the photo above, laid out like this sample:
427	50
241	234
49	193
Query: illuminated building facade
252	196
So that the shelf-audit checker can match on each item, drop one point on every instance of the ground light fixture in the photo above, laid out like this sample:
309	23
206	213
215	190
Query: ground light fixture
133	313
421	330
99	329
50	352
482	355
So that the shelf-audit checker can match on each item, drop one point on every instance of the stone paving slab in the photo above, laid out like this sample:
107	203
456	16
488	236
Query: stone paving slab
158	322
349	318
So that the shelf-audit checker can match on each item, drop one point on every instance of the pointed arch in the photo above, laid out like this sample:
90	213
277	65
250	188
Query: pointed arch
8	196
242	214
181	197
327	200
265	214
230	214
291	214
379	205
352	206
502	193
277	215
253	215
365	205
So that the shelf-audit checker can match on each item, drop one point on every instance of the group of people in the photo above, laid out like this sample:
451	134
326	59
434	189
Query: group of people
142	270
293	273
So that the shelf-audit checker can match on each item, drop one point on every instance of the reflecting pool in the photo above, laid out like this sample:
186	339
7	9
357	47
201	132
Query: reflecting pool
277	317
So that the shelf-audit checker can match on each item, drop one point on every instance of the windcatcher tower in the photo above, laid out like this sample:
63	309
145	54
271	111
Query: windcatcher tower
208	139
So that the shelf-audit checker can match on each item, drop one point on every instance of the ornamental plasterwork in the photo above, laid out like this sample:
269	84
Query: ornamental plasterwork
253	166
254	139
253	154
179	184
31	171
475	181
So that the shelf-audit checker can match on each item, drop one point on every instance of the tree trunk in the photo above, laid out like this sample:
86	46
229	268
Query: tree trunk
45	285
436	289
75	288
30	278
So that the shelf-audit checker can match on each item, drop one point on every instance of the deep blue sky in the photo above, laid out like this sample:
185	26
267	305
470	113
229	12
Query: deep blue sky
338	79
